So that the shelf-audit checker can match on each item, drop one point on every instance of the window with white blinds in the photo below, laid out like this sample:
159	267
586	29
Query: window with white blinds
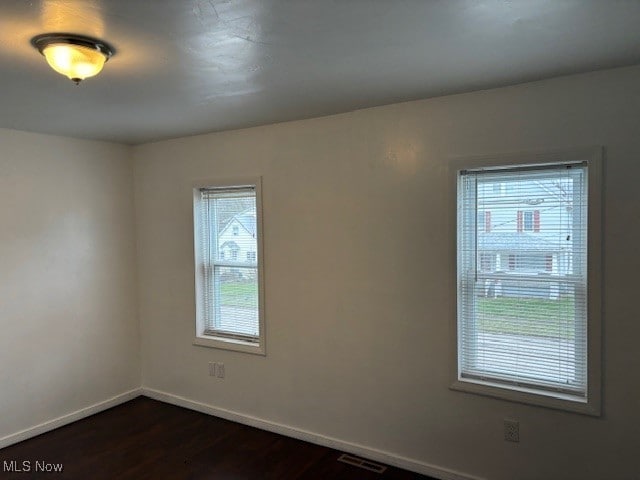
228	267
523	283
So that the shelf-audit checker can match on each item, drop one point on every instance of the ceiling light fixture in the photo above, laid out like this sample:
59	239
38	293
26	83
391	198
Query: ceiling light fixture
75	56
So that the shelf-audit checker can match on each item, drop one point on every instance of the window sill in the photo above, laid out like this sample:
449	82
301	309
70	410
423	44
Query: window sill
229	344
529	396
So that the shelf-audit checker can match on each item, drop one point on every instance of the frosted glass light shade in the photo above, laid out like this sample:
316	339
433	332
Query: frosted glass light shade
74	61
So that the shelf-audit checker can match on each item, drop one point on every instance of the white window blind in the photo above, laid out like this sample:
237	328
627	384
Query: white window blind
227	241
522	284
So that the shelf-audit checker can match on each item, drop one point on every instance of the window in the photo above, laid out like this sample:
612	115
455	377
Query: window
486	262
548	263
530	332
529	262
529	221
228	267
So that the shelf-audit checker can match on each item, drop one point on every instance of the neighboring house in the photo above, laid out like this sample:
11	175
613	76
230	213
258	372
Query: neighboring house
237	239
524	230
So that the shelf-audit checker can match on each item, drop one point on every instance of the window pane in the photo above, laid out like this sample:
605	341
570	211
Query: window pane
236	301
527	331
233	219
522	283
528	221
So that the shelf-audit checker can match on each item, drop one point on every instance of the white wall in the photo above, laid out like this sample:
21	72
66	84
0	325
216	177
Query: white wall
70	336
357	265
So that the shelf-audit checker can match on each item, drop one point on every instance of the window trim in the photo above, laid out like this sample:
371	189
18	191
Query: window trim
593	156
212	341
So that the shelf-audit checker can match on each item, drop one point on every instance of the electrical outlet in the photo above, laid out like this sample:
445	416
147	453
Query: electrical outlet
511	430
216	369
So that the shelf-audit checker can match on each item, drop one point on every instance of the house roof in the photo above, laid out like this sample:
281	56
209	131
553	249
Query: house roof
247	219
520	242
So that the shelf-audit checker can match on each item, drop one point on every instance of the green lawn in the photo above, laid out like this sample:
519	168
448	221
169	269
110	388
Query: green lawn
239	294
534	316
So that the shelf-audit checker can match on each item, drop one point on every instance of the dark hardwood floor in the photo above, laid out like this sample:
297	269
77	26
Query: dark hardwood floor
147	439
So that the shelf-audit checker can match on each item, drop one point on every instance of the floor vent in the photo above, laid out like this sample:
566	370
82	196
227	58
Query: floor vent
361	463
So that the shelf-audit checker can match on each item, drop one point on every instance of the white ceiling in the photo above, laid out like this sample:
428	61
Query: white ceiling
184	67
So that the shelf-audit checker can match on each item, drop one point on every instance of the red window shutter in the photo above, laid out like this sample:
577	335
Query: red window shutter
520	221
512	262
536	220
549	263
487	222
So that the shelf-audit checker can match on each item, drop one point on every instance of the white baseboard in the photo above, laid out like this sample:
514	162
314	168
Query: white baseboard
69	418
355	449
